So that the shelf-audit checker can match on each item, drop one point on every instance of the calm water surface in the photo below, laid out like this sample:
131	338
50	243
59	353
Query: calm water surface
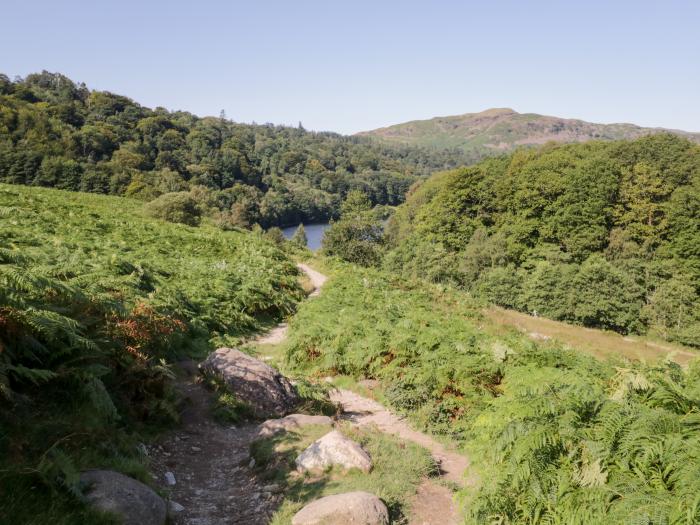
314	234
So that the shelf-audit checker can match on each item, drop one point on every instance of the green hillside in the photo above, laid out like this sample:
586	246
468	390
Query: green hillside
96	302
58	133
496	131
554	435
602	234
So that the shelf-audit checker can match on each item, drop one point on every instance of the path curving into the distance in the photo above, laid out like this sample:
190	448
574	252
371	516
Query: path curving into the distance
433	503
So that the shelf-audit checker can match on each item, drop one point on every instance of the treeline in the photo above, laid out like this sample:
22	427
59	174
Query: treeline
602	234
56	133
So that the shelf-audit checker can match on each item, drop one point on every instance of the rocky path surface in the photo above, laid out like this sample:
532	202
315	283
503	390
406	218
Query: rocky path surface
214	481
210	465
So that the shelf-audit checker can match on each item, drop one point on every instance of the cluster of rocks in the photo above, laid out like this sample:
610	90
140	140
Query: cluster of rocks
332	450
268	392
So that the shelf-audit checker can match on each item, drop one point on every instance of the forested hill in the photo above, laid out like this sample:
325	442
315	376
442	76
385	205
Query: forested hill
496	131
605	234
57	133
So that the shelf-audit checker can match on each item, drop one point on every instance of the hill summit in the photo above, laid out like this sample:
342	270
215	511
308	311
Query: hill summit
499	130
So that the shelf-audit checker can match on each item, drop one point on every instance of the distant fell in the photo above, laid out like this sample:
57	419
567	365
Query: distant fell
500	130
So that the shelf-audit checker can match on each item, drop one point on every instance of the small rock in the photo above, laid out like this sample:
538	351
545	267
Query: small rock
334	449
350	508
169	478
195	449
176	507
252	463
273	488
291	422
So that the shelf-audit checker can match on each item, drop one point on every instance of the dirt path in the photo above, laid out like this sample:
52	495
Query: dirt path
317	278
214	480
364	411
433	503
279	333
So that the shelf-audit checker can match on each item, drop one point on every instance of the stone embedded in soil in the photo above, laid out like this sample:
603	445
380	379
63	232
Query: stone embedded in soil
132	501
351	508
334	449
252	381
176	507
290	423
169	478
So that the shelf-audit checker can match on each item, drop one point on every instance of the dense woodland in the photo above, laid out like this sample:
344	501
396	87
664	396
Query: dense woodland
602	234
56	133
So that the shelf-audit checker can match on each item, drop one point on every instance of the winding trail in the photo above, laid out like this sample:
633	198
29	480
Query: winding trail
433	503
215	482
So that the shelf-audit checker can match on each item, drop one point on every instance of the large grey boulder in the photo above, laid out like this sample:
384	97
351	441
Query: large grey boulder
334	449
351	508
132	501
252	381
291	423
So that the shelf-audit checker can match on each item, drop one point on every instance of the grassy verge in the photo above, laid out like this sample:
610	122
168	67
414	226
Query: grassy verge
601	344
398	470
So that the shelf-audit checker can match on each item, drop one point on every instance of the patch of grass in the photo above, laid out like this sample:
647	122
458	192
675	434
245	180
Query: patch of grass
226	407
398	470
602	344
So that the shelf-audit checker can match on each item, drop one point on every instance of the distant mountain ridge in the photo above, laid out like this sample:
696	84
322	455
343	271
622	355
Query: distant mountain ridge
500	130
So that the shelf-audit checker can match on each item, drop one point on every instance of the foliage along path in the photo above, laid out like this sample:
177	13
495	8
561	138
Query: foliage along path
433	504
214	478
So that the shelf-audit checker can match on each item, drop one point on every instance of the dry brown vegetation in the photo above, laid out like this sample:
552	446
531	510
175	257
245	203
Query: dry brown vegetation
598	343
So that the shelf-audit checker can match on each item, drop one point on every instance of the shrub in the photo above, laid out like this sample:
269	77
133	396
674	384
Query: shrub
606	296
501	285
178	207
299	238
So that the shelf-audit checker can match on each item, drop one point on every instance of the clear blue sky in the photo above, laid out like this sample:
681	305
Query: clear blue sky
354	65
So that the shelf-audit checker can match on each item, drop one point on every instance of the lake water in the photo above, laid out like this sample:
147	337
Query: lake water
314	234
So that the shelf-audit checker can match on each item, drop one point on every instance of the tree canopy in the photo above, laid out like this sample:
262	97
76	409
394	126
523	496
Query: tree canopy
596	233
56	133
